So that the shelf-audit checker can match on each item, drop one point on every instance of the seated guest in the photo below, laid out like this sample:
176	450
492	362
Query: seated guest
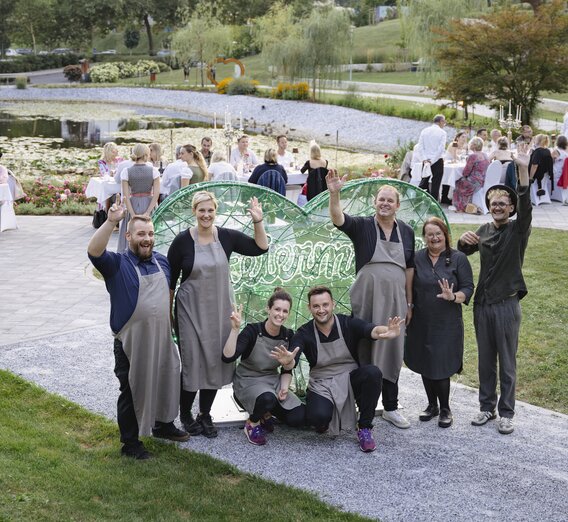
442	281
109	159
541	162
156	157
176	175
559	155
457	147
284	157
258	386
495	135
473	175
337	380
269	164
317	171
502	153
196	163
219	169
206	144
526	135
241	157
482	133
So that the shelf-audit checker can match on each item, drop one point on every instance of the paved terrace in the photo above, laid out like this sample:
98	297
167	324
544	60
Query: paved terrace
54	331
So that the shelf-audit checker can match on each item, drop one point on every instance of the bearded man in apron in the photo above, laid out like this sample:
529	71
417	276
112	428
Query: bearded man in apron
384	263
147	362
337	380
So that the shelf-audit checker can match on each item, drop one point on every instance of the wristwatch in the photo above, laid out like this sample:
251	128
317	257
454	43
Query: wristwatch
410	305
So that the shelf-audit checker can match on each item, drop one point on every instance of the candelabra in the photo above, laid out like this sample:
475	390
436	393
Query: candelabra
229	132
509	123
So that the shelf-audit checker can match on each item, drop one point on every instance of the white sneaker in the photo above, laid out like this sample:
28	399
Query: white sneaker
505	425
396	418
452	208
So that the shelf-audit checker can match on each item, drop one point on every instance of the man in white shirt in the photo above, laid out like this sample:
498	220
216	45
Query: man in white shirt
172	176
242	155
283	157
431	147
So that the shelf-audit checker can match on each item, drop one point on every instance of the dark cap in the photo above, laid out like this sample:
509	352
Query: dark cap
512	194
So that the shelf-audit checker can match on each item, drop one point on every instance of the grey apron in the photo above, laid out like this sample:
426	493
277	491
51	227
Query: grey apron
258	374
379	292
154	360
203	307
330	378
141	181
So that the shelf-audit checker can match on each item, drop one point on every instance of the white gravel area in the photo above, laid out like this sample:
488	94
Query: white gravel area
354	129
425	473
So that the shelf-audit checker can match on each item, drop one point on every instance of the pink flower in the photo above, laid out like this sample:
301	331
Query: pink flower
67	192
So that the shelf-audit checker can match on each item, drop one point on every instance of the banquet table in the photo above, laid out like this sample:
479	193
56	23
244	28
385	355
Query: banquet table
452	172
7	214
293	187
102	189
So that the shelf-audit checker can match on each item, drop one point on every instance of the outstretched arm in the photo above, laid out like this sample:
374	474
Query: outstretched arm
334	185
255	211
285	380
99	241
231	344
390	331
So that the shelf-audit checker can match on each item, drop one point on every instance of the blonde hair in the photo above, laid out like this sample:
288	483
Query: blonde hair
201	196
138	218
217	156
497	193
391	187
541	140
315	151
108	148
270	156
140	151
476	144
157	148
198	158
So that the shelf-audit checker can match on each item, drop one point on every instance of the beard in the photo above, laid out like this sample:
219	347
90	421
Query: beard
141	253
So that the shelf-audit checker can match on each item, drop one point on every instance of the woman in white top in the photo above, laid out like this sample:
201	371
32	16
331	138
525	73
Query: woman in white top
457	147
220	169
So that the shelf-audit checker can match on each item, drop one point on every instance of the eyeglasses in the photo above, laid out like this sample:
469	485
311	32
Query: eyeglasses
500	204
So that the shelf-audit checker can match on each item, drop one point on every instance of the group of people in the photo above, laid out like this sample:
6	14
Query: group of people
353	359
430	153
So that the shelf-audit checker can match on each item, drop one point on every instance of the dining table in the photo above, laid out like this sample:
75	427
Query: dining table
452	172
102	188
296	181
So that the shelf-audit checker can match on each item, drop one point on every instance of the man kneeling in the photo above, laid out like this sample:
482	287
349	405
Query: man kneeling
337	381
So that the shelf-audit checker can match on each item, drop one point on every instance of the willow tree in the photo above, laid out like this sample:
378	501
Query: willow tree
511	54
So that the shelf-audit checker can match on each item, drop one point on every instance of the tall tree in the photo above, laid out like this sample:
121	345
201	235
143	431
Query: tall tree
6	9
31	22
510	54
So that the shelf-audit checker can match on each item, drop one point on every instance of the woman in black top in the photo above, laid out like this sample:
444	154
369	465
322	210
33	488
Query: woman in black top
317	171
270	163
540	162
257	385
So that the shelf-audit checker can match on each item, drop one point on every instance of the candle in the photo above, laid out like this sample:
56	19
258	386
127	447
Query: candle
214	120
241	120
510	108
500	112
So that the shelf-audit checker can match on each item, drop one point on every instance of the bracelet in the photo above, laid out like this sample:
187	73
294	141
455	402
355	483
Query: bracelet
410	305
259	221
455	297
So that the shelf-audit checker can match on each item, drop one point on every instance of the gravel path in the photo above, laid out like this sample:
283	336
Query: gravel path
357	129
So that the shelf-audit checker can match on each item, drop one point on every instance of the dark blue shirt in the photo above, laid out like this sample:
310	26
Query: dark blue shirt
122	282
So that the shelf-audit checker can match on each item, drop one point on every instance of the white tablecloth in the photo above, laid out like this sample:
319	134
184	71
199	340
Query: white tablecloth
452	172
7	214
101	189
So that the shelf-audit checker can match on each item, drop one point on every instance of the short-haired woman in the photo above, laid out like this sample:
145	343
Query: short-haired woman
203	303
473	175
258	386
270	163
317	171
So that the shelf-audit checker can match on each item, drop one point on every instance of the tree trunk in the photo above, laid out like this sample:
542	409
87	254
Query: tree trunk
535	4
149	33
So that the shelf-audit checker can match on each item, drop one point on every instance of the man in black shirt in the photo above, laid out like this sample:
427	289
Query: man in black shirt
337	381
497	312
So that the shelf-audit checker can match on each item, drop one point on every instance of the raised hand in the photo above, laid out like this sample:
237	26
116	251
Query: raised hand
282	394
469	238
334	181
393	328
447	290
255	209
283	356
523	157
116	213
236	316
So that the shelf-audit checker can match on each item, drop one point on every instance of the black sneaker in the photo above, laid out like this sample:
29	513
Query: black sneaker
170	433
446	418
135	451
209	430
540	192
191	425
429	413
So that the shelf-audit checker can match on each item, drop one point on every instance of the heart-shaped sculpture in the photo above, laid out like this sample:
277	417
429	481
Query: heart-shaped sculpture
210	66
305	248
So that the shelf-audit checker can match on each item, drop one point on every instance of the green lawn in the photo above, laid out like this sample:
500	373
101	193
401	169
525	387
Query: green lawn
376	43
542	359
60	462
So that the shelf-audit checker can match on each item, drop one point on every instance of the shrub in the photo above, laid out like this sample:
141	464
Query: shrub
105	73
37	62
73	73
145	67
242	86
291	91
223	85
21	82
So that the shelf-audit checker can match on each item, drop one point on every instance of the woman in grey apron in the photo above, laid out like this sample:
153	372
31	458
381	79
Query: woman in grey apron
258	386
140	190
203	303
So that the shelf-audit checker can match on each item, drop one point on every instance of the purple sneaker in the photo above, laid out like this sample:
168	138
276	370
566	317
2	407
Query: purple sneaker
255	434
267	424
366	440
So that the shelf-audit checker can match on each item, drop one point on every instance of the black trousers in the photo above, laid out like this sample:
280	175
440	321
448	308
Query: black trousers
390	395
268	403
437	174
186	399
438	390
125	414
366	383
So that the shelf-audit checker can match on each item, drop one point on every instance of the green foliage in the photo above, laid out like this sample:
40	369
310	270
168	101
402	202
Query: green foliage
72	72
396	157
21	82
131	37
105	73
511	54
37	63
291	91
242	85
112	72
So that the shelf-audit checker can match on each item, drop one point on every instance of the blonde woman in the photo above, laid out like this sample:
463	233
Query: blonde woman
156	158
317	171
540	162
140	190
203	306
109	159
196	163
